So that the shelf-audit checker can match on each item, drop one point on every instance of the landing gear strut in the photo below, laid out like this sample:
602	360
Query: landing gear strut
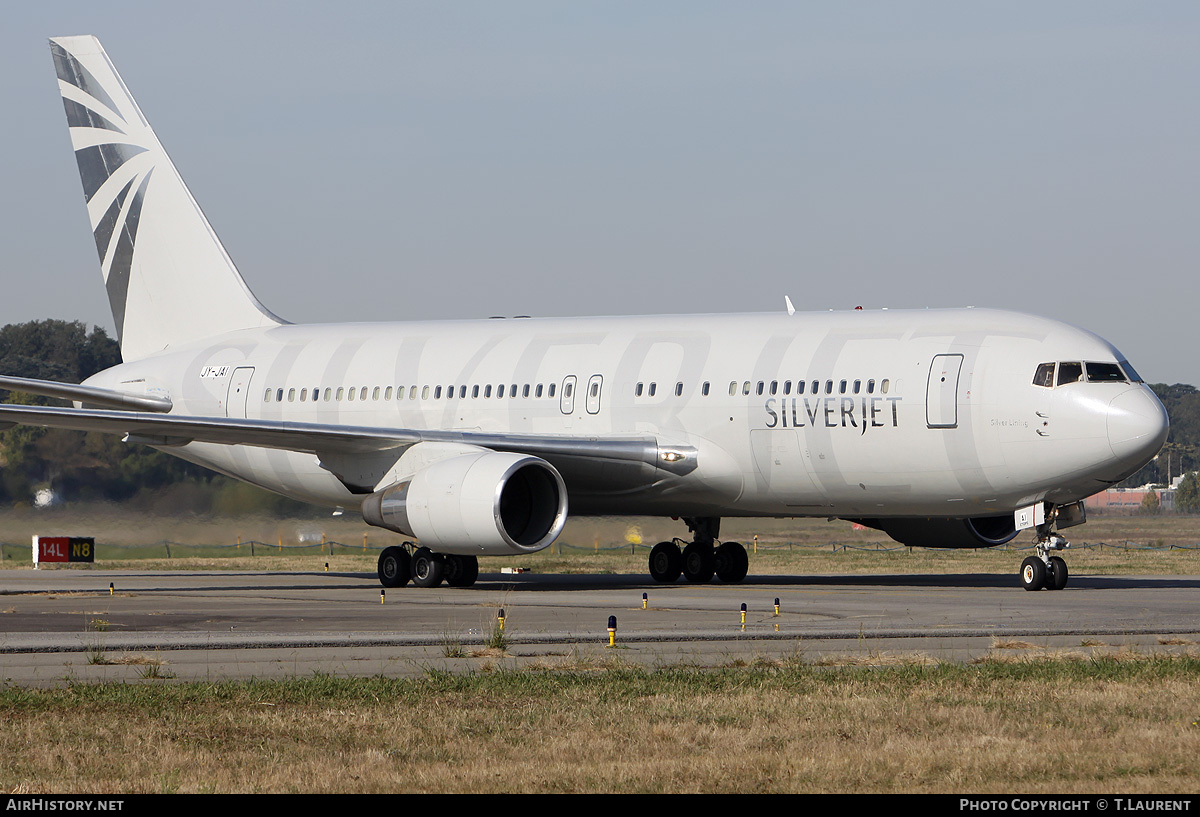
700	559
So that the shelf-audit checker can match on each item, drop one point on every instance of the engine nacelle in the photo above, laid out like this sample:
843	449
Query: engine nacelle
977	532
488	502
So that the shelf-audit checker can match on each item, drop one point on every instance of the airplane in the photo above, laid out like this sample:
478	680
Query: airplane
950	428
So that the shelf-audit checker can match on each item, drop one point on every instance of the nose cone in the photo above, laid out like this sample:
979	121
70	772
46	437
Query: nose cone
1137	426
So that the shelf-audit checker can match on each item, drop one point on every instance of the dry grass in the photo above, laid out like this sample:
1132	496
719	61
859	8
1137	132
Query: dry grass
1035	725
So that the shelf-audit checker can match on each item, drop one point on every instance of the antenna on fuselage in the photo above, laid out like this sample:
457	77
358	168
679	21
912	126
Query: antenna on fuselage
788	301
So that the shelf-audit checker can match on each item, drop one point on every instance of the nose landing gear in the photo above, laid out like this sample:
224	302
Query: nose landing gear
1044	571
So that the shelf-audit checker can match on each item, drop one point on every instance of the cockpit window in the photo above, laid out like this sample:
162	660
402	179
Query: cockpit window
1069	373
1130	372
1044	375
1105	373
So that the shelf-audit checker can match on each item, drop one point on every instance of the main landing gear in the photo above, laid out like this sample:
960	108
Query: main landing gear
700	559
1044	571
425	568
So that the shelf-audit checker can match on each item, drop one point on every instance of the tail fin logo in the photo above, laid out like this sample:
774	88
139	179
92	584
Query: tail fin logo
107	142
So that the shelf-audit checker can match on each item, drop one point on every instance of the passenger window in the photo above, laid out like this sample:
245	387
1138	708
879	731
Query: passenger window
883	387
267	396
678	390
412	392
362	395
774	386
387	395
799	387
787	387
550	391
857	386
733	388
746	387
595	390
1044	376
375	393
1069	373
653	388
704	389
829	387
842	387
291	395
487	390
525	391
538	391
340	393
328	394
399	392
870	387
760	387
424	392
303	395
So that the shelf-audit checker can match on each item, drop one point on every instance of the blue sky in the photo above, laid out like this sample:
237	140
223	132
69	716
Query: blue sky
418	159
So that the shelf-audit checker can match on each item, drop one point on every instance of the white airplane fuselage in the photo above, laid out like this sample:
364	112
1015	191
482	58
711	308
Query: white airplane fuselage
945	427
930	413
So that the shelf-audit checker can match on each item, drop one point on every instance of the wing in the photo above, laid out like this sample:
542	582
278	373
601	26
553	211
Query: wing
632	461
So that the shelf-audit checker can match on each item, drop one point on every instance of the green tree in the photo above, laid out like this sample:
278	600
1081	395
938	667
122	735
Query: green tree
1187	495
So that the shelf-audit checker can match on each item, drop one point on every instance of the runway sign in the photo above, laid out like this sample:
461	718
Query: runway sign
63	549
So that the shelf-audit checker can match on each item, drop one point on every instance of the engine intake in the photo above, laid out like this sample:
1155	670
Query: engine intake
489	502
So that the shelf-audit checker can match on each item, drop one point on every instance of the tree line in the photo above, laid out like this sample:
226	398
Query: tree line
94	466
78	465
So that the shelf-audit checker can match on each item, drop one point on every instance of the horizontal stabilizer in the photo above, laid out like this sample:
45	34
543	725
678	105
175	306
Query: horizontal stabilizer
87	395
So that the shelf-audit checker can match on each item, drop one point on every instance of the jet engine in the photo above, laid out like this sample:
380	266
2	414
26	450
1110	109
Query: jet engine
488	502
977	532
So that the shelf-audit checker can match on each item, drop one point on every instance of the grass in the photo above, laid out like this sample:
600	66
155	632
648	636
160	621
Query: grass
1038	725
1022	719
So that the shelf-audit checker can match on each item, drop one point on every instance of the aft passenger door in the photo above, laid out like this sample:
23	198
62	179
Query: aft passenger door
239	391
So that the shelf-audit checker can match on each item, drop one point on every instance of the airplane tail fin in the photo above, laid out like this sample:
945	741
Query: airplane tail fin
169	280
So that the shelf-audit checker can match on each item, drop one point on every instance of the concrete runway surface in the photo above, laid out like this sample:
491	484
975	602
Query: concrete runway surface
59	625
